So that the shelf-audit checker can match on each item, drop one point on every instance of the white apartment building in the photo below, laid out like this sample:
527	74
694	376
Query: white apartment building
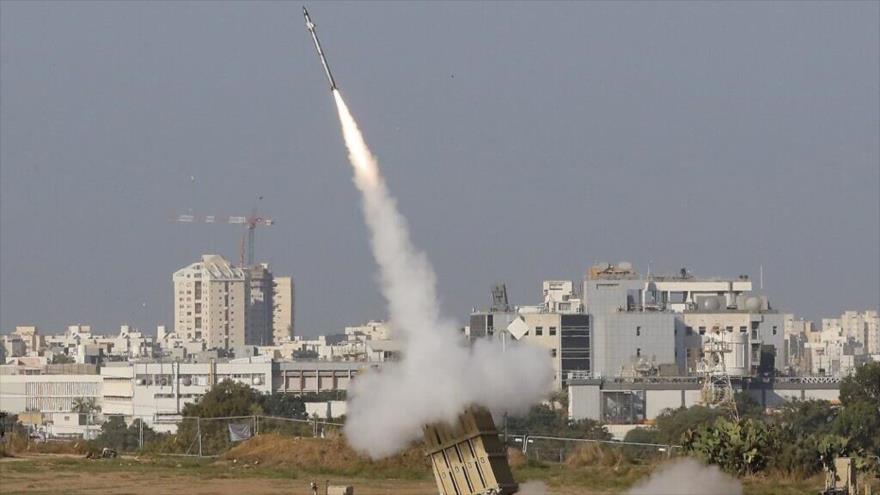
831	352
210	302
79	343
861	327
30	335
282	309
372	330
797	333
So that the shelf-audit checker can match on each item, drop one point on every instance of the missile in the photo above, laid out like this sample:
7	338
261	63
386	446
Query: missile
311	27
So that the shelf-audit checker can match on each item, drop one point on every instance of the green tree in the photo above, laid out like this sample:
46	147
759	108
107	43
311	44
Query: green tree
743	447
644	435
807	417
859	423
62	359
863	386
227	398
224	400
747	407
85	405
544	420
673	423
116	435
284	405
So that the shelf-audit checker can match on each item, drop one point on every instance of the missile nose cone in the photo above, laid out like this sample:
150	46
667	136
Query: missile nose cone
311	27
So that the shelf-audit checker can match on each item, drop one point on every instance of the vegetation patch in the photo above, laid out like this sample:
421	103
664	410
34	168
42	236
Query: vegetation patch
326	456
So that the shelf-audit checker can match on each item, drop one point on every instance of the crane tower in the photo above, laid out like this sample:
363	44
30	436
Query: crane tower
250	222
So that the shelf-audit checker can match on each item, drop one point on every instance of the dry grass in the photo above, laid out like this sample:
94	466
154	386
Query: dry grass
15	445
515	458
332	455
592	454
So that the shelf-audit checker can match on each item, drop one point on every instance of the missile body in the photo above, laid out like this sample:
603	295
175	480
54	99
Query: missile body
311	27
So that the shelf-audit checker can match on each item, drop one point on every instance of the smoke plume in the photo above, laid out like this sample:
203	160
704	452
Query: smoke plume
533	488
687	477
438	375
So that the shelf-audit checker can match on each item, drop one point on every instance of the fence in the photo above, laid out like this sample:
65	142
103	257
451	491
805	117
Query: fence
562	449
210	437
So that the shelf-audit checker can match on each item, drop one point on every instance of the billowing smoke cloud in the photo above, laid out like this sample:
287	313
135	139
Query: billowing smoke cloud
533	488
687	477
438	375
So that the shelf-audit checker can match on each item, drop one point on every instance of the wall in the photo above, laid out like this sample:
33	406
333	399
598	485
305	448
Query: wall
47	393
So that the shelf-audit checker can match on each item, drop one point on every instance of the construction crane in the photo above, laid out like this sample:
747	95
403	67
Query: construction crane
250	222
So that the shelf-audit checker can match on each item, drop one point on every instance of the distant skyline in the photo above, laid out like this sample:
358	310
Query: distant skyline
523	141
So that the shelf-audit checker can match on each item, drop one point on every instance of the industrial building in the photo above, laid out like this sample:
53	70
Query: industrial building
622	324
637	401
155	391
48	399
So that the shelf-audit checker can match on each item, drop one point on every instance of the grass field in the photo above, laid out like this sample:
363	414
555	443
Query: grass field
50	474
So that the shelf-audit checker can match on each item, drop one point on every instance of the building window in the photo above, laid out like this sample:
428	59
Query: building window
639	352
702	330
539	331
688	330
774	329
729	329
638	331
552	332
743	329
553	353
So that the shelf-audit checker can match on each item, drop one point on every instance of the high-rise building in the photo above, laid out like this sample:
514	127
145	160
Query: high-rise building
31	338
282	309
210	301
861	328
260	313
872	332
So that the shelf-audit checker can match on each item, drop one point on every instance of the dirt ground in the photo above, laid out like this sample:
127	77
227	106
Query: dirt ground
43	474
46	475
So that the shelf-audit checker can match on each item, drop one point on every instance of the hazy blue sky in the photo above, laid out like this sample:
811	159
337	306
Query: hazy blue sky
524	142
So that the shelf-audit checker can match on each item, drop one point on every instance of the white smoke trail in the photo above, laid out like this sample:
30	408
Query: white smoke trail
687	477
438	376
